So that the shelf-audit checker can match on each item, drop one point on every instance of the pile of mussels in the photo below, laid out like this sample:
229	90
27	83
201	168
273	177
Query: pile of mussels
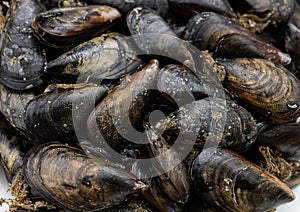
139	105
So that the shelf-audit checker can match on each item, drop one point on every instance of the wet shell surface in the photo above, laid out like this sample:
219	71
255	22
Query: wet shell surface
153	35
62	109
269	10
109	56
65	176
68	26
12	107
209	121
174	179
268	87
118	118
284	138
22	59
226	38
232	183
12	149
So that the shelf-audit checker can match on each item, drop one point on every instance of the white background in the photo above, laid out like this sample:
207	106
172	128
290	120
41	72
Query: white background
290	207
3	189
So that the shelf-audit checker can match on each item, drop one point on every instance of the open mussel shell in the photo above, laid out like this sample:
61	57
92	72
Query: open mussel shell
65	176
223	36
22	59
266	86
68	26
109	56
229	181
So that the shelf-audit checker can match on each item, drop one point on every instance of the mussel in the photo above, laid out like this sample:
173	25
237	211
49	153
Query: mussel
144	20
61	112
226	38
118	118
110	56
268	87
291	40
278	147
65	176
227	180
156	197
22	59
154	36
69	26
284	138
156	194
294	180
260	16
172	177
295	18
276	163
208	122
266	11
